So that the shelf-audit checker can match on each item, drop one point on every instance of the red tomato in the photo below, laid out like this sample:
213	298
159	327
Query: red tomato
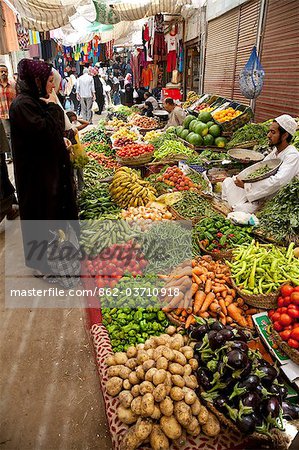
285	335
285	320
295	298
293	343
271	312
286	290
287	300
276	316
296	289
280	302
295	334
277	326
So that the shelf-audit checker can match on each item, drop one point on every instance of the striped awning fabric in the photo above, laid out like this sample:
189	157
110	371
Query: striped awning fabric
44	15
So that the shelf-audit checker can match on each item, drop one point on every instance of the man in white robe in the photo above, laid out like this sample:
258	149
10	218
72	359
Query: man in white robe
246	197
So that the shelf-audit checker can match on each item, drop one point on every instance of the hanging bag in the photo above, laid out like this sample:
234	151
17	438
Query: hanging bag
252	76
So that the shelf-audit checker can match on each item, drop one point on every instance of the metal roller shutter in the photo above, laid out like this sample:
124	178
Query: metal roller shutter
280	59
221	54
249	16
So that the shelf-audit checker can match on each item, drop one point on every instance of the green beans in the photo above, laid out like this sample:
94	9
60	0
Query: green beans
262	268
172	148
95	201
193	205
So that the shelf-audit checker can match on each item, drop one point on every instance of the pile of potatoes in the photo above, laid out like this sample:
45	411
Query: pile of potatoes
155	387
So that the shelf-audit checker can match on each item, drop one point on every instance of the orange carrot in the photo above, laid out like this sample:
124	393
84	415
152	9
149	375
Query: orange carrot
223	306
219	289
251	311
228	300
174	302
208	286
194	289
229	320
197	271
203	278
224	294
204	315
184	313
208	300
197	280
214	307
236	314
212	314
189	321
222	318
240	301
198	301
249	321
176	281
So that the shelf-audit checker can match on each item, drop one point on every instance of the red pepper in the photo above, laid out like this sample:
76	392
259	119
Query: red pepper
293	343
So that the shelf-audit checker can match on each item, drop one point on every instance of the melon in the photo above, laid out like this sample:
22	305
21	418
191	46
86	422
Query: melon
170	130
192	125
179	130
195	139
220	142
215	130
210	124
187	121
208	140
201	128
190	136
184	134
205	117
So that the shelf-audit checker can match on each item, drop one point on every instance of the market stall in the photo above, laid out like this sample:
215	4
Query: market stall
195	317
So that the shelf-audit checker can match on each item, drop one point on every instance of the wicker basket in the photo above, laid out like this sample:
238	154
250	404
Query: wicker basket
263	301
246	144
271	438
136	160
222	255
292	353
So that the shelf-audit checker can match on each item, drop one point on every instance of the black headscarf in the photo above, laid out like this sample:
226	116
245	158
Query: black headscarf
29	71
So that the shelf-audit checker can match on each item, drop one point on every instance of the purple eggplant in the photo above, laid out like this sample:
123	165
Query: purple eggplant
240	345
216	326
198	332
213	343
267	374
272	407
253	400
290	411
237	359
241	336
203	379
247	423
227	334
219	403
250	383
197	347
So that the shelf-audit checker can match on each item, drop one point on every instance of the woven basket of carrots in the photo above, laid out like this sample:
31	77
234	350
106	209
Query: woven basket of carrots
202	288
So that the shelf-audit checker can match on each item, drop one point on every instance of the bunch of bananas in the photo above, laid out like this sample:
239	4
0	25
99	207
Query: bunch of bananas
128	189
191	98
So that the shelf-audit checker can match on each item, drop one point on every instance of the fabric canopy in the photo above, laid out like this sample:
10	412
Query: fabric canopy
44	15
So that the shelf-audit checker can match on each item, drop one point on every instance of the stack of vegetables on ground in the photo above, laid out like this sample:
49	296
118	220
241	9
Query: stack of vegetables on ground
256	132
123	137
204	290
153	211
155	388
93	172
236	381
128	189
217	235
106	161
100	147
286	317
95	136
95	200
262	268
192	205
147	123
171	149
174	177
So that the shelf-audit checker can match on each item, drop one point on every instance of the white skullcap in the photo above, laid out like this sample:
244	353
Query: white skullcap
287	123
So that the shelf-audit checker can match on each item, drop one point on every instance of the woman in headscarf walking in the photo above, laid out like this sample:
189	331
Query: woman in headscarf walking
42	165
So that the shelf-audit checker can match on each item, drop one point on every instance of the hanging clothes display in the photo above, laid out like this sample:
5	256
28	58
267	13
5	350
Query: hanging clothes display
10	28
146	77
22	36
172	43
159	40
135	68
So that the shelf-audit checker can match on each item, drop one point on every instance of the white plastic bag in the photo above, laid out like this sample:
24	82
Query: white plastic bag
135	94
95	107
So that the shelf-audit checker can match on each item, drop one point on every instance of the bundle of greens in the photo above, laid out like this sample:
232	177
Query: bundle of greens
279	218
250	132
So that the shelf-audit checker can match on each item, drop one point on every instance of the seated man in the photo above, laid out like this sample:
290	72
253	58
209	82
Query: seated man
246	196
176	114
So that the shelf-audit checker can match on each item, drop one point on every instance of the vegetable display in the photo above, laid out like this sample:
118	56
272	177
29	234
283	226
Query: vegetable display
171	149
114	262
93	172
220	234
95	201
191	205
105	161
147	123
174	177
134	150
286	317
192	97
123	137
95	135
151	135
262	268
204	290
155	387
146	213
100	147
250	132
226	115
279	217
235	380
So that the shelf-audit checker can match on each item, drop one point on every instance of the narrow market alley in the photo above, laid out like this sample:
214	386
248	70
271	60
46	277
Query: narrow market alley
50	396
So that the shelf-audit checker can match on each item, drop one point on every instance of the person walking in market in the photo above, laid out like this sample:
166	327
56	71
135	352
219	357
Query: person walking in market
42	165
7	95
99	91
247	197
176	114
7	196
86	94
